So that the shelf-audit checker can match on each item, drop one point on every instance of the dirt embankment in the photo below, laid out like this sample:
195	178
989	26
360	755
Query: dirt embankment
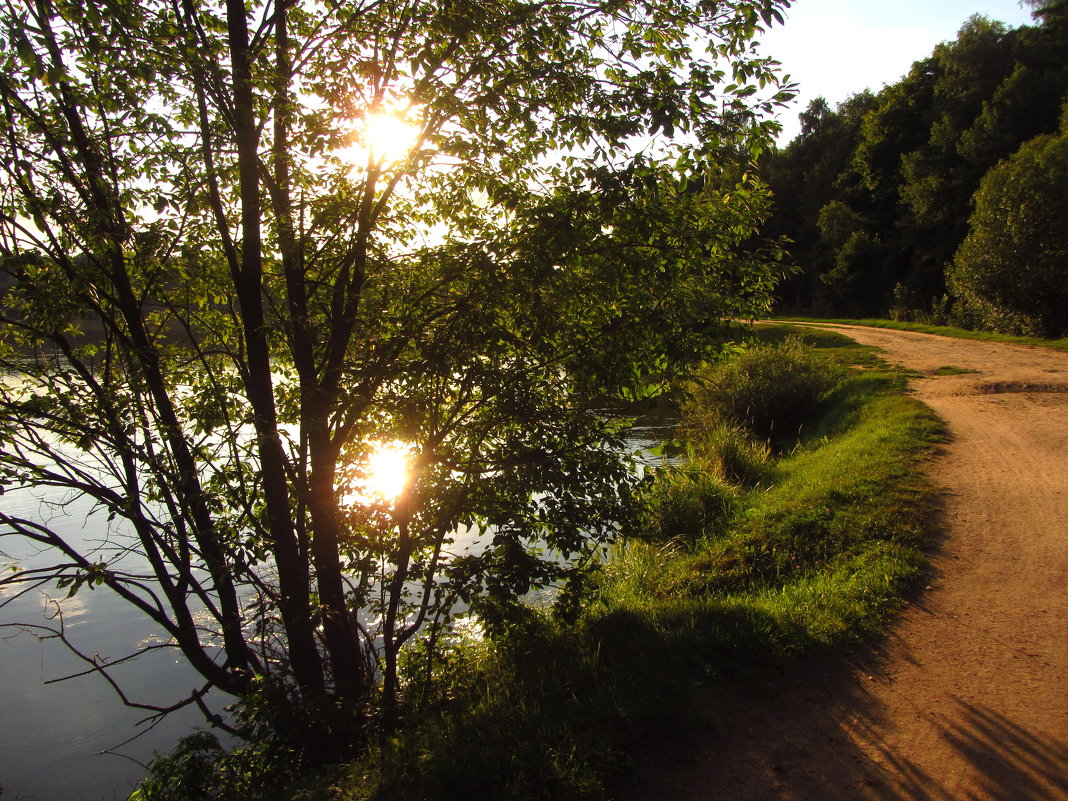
968	697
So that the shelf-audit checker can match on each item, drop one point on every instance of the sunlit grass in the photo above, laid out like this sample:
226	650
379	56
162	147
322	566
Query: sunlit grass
729	578
941	330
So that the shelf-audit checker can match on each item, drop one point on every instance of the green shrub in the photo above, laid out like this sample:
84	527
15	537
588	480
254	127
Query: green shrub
772	390
735	455
199	767
685	505
1011	272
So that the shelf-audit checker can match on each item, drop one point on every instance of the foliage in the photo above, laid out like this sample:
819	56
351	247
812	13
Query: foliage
736	455
537	708
813	168
769	389
1011	272
877	193
225	288
540	710
199	767
685	504
850	498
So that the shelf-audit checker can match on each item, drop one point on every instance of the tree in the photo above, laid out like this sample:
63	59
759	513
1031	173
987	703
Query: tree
912	165
249	246
1011	271
937	182
804	176
853	284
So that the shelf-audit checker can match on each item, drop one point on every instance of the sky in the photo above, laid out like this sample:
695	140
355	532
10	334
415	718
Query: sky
836	48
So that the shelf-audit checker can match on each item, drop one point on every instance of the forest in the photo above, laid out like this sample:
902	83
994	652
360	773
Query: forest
941	197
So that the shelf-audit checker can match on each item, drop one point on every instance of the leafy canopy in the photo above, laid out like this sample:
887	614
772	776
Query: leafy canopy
1010	272
243	245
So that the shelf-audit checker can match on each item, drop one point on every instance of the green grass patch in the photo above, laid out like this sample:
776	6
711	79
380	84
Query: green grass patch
940	330
951	370
732	573
831	343
801	549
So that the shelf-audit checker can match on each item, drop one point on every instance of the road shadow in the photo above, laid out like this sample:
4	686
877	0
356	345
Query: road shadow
1010	762
813	734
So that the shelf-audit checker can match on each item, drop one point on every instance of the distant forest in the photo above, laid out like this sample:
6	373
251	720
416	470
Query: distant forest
942	198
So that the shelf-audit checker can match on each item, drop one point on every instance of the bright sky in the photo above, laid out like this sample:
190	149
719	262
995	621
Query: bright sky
836	48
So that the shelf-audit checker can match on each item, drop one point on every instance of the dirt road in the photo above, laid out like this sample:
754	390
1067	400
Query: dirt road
967	700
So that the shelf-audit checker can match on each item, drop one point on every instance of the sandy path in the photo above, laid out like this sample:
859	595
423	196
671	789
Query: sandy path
968	698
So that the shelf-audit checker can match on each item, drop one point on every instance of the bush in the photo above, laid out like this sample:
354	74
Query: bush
199	767
684	505
735	455
1011	272
771	390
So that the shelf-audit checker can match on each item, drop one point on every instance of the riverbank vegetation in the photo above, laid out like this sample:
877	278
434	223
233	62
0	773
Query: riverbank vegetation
308	304
770	542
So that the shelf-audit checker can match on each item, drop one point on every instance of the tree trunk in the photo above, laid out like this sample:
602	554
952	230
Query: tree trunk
293	569
347	665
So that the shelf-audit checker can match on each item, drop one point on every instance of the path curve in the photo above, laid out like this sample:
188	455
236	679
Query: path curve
967	699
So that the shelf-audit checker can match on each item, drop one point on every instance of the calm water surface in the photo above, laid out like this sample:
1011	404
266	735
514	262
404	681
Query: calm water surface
55	738
65	741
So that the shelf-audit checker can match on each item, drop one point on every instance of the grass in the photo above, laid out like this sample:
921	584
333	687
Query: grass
831	343
941	330
850	504
732	574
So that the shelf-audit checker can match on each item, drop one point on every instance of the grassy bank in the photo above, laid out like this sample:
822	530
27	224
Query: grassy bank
814	549
940	330
778	540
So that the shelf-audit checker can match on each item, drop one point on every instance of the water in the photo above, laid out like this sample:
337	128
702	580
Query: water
56	738
65	740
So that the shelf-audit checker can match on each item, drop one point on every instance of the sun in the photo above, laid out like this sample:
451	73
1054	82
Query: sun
383	137
390	135
385	474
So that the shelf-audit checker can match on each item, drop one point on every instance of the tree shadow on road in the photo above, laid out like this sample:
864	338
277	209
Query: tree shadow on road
811	736
1010	761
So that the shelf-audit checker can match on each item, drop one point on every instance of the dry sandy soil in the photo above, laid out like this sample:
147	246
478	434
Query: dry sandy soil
967	698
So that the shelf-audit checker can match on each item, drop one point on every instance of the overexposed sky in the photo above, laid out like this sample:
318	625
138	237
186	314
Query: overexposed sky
836	48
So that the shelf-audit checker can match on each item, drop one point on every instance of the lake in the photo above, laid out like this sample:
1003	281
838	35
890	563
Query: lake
68	740
54	738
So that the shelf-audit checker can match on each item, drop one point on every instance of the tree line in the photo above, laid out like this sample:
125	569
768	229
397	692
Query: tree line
940	198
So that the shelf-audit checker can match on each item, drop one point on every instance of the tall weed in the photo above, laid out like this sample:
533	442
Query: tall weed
685	504
771	390
736	455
